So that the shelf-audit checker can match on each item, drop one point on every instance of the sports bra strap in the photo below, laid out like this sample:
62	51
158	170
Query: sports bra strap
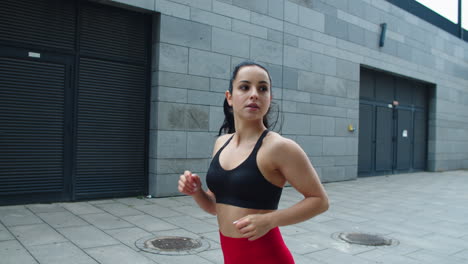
260	140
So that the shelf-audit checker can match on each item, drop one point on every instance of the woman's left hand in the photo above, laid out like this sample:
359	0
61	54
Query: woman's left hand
253	226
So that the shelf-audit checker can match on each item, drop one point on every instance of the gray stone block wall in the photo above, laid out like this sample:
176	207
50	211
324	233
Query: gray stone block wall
314	50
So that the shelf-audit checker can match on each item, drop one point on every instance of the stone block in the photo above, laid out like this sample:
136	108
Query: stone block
311	19
296	96
323	64
338	146
321	99
290	78
267	21
260	6
336	27
210	18
231	11
200	144
291	12
219	85
275	8
296	124
312	145
185	33
209	64
298	58
341	127
311	82
171	144
205	98
266	51
173	58
335	86
249	29
356	34
322	125
291	40
171	116
197	117
276	75
347	70
231	43
276	36
172	9
170	94
333	174
216	118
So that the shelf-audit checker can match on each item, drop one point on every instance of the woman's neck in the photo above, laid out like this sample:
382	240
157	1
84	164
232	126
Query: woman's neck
248	131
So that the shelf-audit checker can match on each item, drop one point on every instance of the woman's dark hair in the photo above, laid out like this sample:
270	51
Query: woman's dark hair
228	124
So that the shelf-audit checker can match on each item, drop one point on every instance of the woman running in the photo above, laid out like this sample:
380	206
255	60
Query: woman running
249	169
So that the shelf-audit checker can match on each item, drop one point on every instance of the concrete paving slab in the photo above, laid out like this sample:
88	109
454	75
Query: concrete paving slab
119	209
5	235
117	254
157	210
82	208
12	252
426	256
18	215
105	221
62	219
424	211
186	259
192	224
149	223
38	234
59	253
128	236
134	201
87	236
45	208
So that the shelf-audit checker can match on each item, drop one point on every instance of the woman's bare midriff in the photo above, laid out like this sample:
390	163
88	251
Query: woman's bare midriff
227	214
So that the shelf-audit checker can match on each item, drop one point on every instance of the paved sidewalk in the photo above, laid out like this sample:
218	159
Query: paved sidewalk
426	212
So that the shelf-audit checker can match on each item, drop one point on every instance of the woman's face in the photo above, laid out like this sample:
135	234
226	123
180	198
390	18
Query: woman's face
251	93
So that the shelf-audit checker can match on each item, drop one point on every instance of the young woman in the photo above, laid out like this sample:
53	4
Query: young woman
250	166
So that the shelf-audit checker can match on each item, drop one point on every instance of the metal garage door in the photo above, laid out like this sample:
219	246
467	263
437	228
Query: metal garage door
73	101
393	124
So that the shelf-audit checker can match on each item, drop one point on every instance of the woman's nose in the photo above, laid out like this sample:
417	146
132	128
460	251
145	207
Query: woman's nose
254	93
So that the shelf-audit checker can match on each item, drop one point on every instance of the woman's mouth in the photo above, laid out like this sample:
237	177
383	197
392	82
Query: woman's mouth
253	106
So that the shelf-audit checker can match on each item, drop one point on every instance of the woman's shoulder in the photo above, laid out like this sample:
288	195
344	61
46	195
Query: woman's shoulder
276	142
220	141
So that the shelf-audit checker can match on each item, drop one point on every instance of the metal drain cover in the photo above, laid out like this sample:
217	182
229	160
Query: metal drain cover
365	239
172	245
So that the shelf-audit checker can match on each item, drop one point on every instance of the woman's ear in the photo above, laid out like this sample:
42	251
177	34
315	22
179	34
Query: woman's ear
228	98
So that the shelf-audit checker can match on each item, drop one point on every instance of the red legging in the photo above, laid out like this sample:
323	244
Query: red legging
269	249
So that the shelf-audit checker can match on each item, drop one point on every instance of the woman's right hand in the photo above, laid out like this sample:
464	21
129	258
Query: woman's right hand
189	183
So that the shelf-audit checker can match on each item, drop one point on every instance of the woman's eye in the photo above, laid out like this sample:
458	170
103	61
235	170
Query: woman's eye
244	87
264	89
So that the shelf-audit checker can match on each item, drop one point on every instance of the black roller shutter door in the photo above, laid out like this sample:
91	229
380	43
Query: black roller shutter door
112	103
32	130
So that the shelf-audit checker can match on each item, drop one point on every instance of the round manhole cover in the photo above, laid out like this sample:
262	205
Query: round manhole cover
366	239
172	245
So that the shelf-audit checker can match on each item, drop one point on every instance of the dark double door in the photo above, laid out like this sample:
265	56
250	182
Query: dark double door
392	124
74	90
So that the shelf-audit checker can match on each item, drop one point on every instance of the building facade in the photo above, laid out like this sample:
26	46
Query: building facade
365	87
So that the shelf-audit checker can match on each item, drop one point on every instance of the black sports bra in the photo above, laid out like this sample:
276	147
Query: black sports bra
243	186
